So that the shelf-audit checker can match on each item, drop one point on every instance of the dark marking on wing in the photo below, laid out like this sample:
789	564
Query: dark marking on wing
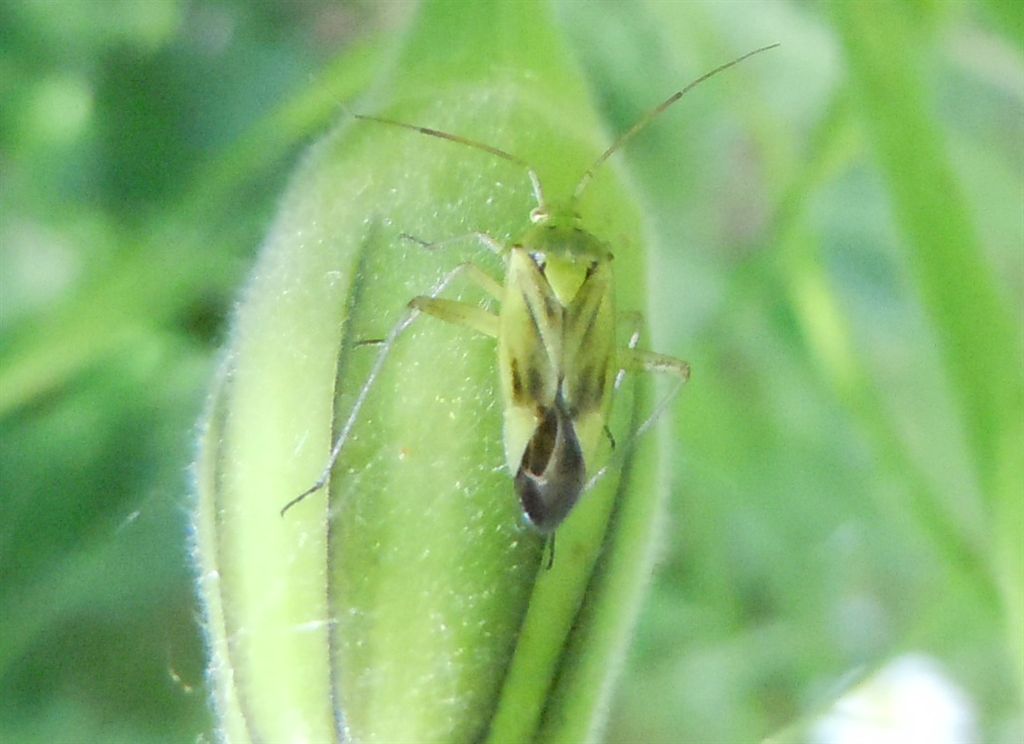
588	392
552	309
535	383
517	381
581	393
552	472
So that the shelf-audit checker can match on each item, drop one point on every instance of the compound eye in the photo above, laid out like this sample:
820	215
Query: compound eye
540	259
592	268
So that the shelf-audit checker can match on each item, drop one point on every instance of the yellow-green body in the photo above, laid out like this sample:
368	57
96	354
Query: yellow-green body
556	345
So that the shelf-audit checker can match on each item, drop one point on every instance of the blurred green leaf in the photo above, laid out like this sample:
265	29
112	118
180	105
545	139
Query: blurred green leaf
975	330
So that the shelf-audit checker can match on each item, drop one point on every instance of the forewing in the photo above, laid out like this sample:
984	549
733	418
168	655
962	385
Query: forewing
587	352
529	350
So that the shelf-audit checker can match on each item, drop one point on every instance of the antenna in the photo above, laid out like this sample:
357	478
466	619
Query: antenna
538	191
653	114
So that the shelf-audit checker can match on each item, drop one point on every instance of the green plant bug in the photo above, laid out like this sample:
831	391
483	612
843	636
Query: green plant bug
558	360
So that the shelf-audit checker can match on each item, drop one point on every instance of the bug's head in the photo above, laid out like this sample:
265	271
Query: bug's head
564	251
557	213
558	234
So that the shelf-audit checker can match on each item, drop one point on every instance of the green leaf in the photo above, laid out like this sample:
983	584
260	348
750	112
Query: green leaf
973	324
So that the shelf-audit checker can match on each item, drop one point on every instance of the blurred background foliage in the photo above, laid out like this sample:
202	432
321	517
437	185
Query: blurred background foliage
838	249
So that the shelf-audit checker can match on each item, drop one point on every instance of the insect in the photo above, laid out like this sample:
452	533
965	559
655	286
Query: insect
557	354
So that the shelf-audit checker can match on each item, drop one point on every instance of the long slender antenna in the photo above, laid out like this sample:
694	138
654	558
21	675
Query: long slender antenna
651	115
538	191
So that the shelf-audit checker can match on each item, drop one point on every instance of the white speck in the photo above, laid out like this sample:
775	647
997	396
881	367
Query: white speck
129	519
313	625
911	700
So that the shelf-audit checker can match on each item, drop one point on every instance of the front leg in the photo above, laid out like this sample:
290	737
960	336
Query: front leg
458	313
638	360
463	313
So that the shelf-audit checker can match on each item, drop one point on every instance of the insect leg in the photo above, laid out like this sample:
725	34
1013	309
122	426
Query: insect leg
484	280
387	345
473	272
634	321
637	360
490	243
459	313
549	547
